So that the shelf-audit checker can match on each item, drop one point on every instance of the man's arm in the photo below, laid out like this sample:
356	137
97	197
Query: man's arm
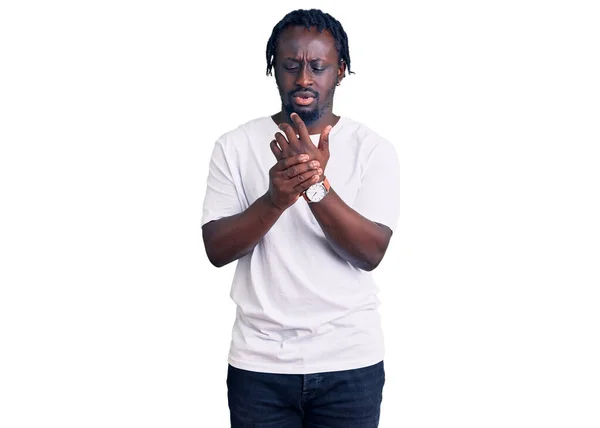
355	238
229	238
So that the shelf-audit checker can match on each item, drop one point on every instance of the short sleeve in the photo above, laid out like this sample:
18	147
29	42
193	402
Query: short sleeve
221	199
378	197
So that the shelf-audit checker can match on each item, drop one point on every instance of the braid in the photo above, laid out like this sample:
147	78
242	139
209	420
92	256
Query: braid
310	18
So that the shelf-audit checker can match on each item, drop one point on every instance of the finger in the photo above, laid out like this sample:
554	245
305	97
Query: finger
301	177
284	164
301	128
290	133
313	174
324	139
283	144
306	183
293	171
275	149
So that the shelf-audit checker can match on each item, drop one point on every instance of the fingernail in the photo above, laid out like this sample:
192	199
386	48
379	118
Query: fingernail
304	157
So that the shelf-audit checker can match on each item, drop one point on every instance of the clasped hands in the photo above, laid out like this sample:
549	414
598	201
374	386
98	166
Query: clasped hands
300	163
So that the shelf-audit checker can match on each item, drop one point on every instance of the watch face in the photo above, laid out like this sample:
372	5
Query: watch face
316	192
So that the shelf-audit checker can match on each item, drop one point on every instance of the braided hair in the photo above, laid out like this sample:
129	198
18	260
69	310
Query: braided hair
310	18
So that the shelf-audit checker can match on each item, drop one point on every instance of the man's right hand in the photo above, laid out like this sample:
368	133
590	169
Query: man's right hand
290	177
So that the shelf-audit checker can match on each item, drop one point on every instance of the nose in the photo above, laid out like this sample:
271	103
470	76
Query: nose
304	78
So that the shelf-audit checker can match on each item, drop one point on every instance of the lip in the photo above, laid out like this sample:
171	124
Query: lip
303	101
303	94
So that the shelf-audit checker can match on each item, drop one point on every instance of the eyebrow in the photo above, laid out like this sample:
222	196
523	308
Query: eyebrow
299	60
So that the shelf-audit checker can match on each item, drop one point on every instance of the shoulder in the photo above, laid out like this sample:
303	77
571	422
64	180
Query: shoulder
364	137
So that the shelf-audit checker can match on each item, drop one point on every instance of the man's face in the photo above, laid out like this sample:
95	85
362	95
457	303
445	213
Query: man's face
306	71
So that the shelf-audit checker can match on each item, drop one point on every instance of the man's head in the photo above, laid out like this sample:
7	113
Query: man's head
308	50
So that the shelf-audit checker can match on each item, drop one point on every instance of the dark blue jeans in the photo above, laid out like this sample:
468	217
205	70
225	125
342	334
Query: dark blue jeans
341	399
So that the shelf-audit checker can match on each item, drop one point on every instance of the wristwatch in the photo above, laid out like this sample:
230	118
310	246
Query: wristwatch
317	191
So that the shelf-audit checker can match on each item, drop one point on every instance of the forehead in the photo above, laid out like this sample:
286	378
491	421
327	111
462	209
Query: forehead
300	42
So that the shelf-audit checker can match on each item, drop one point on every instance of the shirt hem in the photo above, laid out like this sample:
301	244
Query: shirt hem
301	369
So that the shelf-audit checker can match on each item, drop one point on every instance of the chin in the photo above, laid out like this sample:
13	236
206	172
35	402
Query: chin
307	116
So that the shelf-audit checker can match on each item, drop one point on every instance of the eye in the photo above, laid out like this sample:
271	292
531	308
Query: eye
318	70
290	67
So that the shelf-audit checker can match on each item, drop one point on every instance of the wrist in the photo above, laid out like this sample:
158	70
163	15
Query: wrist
323	175
318	191
270	205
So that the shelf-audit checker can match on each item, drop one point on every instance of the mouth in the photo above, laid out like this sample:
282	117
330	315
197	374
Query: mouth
303	98
303	101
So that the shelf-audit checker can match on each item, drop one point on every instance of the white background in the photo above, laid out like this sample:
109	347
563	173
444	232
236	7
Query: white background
110	313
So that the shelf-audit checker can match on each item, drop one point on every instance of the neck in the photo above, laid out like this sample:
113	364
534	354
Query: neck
313	128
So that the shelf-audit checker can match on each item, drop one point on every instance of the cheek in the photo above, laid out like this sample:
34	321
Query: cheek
280	88
328	85
282	83
331	91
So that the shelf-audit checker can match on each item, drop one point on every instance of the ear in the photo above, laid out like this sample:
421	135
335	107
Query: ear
341	72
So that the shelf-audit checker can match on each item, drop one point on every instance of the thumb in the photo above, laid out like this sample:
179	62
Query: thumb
324	139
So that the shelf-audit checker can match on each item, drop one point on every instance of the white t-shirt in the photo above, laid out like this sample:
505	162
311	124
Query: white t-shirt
301	308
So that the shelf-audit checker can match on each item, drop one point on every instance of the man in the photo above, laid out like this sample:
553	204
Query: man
306	202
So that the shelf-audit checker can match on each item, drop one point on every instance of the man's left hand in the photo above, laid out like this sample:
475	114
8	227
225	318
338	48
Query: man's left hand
297	141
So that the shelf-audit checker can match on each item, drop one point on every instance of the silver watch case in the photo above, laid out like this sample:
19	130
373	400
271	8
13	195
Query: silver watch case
316	192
